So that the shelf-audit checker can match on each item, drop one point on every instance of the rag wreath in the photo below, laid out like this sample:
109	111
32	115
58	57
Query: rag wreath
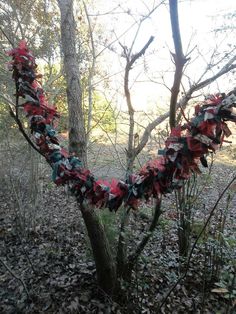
185	148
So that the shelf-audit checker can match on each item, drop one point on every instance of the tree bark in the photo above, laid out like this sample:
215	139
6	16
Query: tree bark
121	257
105	266
77	134
179	59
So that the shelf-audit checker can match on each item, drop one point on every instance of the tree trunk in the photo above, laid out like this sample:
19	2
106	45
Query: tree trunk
179	59
105	266
77	134
121	256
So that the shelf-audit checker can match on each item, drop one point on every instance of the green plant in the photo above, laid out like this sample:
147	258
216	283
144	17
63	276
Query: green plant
226	285
196	227
186	198
110	225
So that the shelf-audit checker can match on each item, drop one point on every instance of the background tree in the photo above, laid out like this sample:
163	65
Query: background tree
77	135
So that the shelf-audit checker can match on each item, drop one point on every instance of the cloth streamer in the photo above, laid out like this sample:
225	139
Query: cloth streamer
186	147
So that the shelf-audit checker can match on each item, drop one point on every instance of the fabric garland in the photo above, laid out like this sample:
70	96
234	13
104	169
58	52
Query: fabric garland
185	148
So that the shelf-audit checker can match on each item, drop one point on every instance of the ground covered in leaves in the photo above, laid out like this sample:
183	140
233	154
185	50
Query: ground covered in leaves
46	263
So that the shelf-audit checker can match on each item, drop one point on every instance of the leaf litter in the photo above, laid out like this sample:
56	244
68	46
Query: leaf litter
54	260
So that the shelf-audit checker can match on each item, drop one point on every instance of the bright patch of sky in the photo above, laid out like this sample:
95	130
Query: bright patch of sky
198	20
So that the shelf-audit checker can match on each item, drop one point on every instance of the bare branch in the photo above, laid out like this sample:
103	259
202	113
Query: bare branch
140	24
16	277
129	63
129	28
90	77
196	241
229	66
141	52
226	68
178	57
19	124
114	146
7	37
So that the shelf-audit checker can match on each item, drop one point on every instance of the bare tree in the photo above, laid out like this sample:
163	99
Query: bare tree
213	71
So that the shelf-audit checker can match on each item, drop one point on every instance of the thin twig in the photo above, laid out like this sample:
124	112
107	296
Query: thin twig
196	241
134	256
7	37
15	276
22	130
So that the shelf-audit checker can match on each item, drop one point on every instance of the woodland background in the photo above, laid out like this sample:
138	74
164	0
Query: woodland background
132	78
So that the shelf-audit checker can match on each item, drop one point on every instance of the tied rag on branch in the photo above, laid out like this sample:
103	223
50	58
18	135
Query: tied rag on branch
185	148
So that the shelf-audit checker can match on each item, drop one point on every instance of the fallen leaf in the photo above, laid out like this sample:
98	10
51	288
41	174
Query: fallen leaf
220	290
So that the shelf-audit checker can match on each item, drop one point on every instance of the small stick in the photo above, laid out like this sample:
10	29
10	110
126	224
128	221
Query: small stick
15	276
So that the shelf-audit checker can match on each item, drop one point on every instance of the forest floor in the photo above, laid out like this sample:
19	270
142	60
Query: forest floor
46	264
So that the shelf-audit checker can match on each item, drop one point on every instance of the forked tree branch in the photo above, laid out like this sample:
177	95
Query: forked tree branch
136	56
229	66
130	60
